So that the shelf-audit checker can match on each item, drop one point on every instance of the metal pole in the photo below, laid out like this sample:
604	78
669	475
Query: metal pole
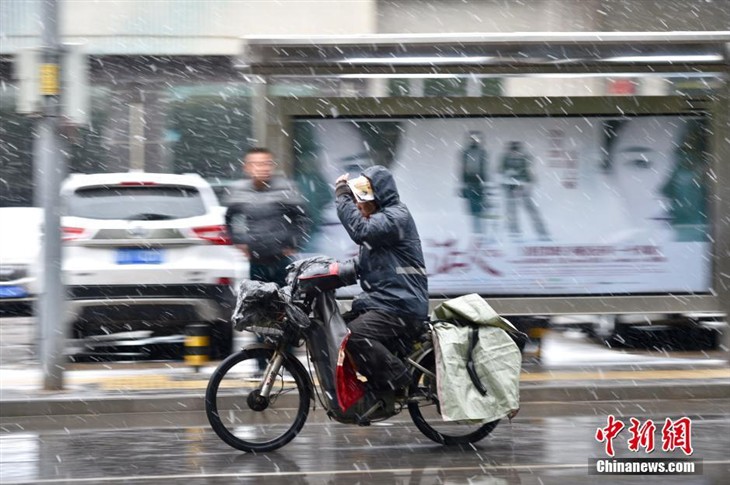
52	165
722	204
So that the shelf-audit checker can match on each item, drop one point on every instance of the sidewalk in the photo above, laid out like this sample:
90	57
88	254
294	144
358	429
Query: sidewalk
570	371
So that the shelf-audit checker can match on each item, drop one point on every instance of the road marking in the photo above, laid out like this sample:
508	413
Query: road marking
368	471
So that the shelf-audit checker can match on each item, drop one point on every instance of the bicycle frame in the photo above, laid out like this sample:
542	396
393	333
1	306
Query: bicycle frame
323	340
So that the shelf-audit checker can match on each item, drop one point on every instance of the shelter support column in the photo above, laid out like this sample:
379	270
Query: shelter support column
721	225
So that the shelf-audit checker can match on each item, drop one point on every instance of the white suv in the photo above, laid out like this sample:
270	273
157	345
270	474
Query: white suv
147	251
20	239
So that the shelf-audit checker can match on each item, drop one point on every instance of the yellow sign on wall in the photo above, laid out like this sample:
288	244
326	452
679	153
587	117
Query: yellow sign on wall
49	79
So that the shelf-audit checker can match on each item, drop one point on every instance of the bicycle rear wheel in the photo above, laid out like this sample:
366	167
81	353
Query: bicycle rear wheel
245	419
424	408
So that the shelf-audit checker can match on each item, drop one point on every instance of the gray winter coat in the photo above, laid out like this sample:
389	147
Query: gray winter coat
268	220
391	266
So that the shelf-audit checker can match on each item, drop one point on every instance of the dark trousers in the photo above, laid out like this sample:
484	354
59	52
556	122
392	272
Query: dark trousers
375	336
269	272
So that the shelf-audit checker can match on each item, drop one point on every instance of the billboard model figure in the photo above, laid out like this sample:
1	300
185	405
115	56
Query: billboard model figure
517	181
474	178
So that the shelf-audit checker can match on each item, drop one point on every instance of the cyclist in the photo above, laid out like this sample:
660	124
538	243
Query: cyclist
394	303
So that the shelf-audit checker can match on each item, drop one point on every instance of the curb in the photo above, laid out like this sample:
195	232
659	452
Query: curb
636	391
193	402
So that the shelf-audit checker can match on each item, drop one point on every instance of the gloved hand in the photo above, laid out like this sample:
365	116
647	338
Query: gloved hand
341	187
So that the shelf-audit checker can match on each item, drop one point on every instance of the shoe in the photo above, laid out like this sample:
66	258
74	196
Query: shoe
399	386
402	381
401	394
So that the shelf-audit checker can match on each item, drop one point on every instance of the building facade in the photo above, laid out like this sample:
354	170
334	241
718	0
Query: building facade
166	95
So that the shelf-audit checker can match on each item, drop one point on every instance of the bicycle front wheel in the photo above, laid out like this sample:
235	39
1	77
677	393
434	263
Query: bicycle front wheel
245	419
424	408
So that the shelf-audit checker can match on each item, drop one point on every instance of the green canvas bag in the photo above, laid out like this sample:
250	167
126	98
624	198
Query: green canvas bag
477	362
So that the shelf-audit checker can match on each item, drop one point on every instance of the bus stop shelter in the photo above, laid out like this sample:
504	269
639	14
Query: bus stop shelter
592	76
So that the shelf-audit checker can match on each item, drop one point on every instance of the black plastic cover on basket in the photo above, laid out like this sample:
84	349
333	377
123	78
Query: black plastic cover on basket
264	307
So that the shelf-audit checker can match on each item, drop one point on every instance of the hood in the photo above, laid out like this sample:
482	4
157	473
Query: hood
386	193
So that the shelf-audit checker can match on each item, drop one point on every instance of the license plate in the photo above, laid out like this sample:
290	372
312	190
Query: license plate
139	256
12	292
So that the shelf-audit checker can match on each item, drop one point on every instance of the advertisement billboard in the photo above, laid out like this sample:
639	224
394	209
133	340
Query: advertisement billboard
529	205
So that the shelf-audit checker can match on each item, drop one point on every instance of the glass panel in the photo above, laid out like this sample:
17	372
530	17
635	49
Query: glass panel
399	87
445	87
88	146
208	128
16	152
136	203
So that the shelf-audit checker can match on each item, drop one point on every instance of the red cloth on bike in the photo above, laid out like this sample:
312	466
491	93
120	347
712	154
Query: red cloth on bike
349	388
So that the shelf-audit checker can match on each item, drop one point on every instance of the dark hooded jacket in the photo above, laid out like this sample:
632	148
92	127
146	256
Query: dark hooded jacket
268	220
391	266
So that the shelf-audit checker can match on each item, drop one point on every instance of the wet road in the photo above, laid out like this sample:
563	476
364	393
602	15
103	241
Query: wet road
547	443
531	450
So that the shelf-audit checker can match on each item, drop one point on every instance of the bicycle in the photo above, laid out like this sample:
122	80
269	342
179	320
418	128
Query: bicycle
263	413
